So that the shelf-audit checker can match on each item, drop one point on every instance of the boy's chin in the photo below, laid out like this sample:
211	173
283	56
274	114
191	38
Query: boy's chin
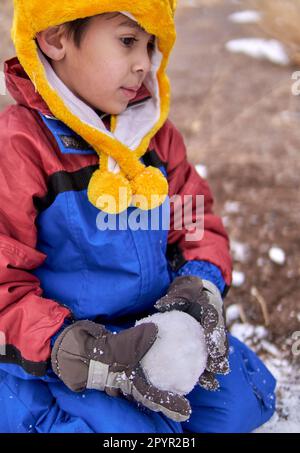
112	110
118	109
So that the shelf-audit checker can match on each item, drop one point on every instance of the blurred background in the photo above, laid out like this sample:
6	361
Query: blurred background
236	100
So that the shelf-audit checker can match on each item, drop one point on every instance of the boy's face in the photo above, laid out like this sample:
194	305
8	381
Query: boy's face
114	54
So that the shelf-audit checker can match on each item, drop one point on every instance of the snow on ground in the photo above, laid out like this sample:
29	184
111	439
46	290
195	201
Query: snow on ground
191	3
287	416
269	49
202	170
245	17
232	207
238	278
277	255
263	49
232	313
239	250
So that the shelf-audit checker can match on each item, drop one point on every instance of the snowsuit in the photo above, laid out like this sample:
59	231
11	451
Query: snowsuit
57	263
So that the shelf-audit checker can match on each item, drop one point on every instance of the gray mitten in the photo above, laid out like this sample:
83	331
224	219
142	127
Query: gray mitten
202	300
87	356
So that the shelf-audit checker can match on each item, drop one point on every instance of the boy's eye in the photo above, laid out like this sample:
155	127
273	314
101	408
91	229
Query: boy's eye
151	46
128	42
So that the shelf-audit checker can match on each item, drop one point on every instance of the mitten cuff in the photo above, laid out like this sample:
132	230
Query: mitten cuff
205	270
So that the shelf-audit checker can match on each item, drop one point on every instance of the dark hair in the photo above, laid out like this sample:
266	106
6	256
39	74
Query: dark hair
76	28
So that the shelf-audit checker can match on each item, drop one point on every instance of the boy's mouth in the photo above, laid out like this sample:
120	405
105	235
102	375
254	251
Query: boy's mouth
129	92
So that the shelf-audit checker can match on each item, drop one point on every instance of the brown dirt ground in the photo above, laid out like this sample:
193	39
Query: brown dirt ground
238	118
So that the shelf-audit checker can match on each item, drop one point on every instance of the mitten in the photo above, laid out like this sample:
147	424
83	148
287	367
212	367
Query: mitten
202	300
87	356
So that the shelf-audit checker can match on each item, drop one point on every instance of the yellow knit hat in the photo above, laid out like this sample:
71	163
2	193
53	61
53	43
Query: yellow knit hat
136	184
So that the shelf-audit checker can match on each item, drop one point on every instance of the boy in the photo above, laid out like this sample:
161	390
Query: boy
90	83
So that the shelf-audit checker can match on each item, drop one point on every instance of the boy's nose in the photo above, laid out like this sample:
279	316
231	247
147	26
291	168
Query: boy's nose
142	63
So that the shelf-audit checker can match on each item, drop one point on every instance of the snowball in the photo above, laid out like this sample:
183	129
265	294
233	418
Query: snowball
277	255
178	356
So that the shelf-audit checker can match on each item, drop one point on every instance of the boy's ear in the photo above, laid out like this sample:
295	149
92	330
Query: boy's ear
52	42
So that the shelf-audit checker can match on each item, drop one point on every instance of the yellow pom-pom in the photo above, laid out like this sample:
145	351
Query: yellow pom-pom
109	192
149	189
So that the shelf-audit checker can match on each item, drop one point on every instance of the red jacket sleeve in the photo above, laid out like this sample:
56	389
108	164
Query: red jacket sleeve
27	320
213	245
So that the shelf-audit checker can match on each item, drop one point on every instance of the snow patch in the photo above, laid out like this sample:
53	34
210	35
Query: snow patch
190	3
245	332
271	49
232	207
238	278
201	170
287	416
239	250
245	17
232	313
277	255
